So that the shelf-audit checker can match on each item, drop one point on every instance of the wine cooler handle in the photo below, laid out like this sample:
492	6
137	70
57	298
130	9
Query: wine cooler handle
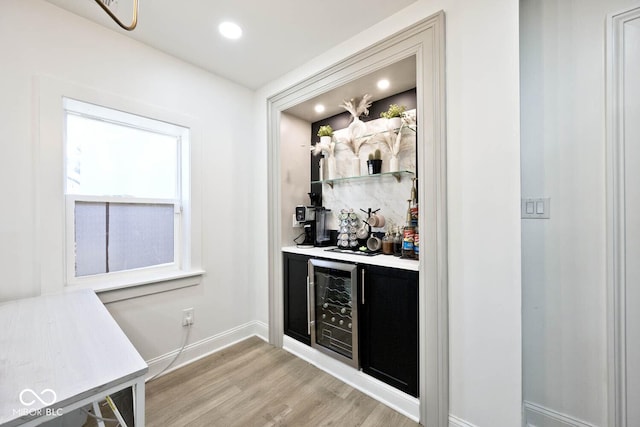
308	309
362	285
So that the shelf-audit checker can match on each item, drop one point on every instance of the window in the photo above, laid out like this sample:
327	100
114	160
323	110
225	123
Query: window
125	187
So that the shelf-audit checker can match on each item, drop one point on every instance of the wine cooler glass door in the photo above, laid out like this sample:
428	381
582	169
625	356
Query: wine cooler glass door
334	309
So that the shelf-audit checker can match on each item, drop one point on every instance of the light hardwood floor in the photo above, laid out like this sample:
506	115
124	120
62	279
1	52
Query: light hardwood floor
255	384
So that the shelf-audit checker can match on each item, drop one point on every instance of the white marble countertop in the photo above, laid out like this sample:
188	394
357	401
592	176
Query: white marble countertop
379	260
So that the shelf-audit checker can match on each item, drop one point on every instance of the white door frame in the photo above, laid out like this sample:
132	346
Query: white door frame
616	232
425	40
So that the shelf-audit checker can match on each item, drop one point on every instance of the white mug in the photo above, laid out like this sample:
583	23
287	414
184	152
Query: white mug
376	220
374	243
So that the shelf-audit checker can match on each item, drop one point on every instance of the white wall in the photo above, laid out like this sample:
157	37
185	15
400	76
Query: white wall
563	157
483	169
295	171
37	38
483	193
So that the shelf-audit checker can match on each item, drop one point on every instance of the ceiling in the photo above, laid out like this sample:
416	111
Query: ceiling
401	76
279	35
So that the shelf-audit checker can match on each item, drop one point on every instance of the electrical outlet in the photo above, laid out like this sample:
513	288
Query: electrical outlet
187	317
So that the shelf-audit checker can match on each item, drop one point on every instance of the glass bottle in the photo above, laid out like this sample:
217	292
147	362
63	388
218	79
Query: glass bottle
397	243
407	236
414	203
387	244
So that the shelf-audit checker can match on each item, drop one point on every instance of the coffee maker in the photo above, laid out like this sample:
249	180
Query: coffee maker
313	219
306	215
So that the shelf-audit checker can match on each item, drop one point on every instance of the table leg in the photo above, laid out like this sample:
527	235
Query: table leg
98	412
138	403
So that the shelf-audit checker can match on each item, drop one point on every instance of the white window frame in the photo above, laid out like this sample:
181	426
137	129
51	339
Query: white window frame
50	175
121	275
180	203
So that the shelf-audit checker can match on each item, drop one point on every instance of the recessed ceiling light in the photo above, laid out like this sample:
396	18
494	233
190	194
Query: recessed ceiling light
383	84
230	30
319	108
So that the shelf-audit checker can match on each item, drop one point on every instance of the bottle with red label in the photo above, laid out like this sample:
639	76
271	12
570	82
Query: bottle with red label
416	243
408	236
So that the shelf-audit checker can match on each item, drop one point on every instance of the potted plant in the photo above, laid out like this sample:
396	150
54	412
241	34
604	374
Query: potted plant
374	164
325	133
326	145
394	114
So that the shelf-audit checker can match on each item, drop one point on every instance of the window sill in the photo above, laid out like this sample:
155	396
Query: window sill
126	289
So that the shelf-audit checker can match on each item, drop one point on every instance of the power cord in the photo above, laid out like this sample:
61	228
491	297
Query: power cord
184	344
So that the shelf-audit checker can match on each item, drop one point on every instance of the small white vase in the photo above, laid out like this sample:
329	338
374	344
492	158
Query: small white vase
330	167
325	140
394	123
393	164
355	166
357	128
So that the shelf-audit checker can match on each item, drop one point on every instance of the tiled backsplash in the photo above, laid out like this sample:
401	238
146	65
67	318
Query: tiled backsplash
382	192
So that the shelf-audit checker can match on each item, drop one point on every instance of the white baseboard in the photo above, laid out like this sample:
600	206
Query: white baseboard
458	422
207	346
384	393
538	416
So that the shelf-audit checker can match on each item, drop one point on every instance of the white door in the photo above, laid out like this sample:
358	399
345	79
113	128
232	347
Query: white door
623	127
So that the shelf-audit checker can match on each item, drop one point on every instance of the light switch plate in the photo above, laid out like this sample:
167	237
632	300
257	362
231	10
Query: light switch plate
536	208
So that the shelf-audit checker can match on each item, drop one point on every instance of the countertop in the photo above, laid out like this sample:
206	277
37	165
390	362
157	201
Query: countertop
379	260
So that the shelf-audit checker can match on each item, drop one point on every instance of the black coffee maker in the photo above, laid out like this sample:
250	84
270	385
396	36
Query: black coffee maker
306	215
314	219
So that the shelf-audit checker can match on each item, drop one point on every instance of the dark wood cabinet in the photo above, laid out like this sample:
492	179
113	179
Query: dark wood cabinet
387	319
296	319
389	326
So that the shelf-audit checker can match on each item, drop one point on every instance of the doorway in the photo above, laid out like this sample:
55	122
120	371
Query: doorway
623	227
425	41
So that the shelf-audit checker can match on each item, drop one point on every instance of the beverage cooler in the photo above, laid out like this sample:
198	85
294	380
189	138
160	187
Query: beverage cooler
333	309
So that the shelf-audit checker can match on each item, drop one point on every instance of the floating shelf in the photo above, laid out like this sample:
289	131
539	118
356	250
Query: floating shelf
397	175
412	128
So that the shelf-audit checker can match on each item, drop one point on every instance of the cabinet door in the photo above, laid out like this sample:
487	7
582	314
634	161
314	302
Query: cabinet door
389	326
296	319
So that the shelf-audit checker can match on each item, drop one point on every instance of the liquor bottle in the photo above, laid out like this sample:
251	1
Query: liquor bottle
407	236
414	203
